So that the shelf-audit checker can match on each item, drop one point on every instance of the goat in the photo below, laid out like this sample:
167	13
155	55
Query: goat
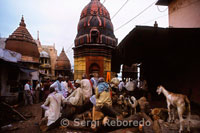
128	103
133	103
178	101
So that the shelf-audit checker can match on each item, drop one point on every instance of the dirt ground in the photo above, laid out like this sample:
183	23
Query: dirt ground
31	125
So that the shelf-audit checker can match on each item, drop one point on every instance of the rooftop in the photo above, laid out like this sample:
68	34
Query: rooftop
163	2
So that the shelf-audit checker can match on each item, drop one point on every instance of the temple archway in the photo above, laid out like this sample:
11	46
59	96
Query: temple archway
94	69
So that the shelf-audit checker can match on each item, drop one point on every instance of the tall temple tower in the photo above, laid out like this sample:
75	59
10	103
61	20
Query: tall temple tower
22	42
94	42
63	65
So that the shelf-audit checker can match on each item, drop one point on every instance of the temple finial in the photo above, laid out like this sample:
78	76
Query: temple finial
63	49
156	24
38	35
22	22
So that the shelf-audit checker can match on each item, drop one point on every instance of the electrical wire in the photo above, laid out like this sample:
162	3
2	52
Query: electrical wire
154	19
120	9
161	10
69	48
135	16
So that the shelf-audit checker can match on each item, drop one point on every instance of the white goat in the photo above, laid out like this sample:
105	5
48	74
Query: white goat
133	102
178	101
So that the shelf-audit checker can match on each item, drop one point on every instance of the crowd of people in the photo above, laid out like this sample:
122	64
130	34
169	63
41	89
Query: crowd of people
41	90
62	92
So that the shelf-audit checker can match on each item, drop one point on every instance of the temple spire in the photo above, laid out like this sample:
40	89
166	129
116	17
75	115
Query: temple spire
22	22
63	49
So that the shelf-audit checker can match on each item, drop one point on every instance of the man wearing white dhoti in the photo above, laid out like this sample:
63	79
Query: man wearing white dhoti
52	105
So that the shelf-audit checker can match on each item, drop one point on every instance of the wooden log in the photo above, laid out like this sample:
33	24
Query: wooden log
79	125
146	117
84	116
108	111
20	115
111	123
70	111
154	125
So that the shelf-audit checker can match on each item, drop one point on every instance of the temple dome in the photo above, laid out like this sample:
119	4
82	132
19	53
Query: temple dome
62	62
44	54
22	42
95	25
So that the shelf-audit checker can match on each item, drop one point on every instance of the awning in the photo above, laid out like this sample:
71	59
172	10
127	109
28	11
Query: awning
26	70
9	55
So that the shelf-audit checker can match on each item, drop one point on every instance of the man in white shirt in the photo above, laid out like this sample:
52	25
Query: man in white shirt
28	95
131	85
57	85
64	86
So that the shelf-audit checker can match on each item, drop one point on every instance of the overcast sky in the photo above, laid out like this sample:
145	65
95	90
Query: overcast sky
57	20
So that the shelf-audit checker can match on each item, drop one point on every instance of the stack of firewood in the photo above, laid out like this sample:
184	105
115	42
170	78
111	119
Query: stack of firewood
86	118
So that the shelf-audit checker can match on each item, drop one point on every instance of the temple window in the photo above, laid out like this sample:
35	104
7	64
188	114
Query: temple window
45	61
94	37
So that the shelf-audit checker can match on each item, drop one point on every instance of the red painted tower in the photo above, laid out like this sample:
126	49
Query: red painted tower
94	42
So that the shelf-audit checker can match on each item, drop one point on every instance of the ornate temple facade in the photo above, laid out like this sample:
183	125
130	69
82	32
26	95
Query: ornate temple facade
22	42
94	42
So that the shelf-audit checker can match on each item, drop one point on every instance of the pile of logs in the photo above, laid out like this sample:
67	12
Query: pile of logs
131	110
87	118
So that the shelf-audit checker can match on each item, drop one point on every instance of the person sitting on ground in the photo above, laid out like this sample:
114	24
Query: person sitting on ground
102	93
76	97
52	106
69	110
103	99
